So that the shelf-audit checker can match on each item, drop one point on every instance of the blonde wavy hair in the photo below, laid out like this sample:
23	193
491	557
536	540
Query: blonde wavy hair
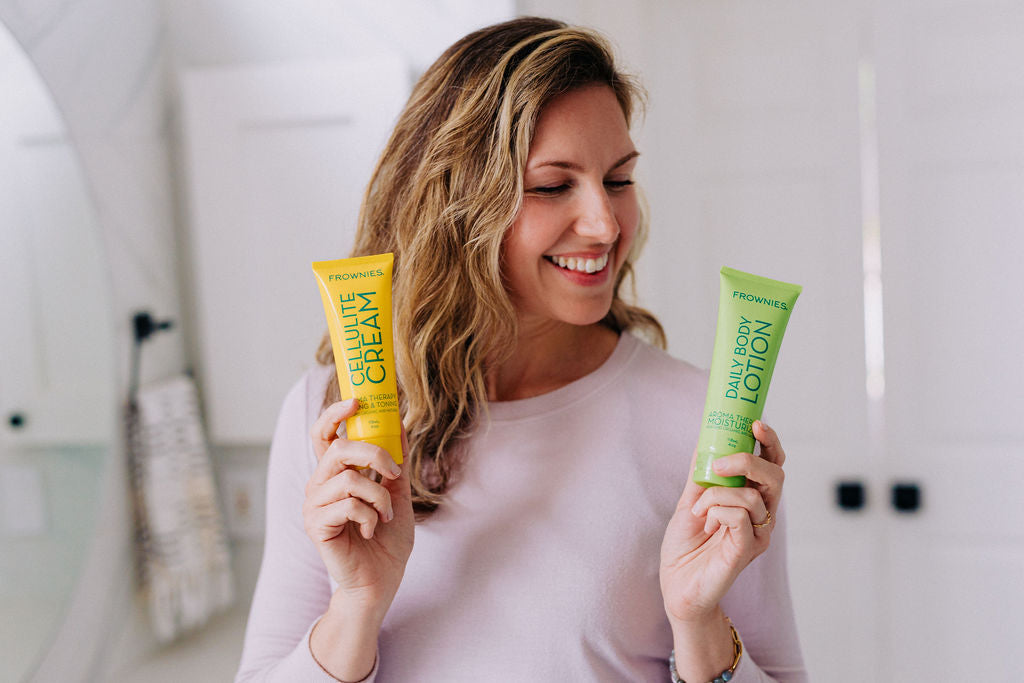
442	198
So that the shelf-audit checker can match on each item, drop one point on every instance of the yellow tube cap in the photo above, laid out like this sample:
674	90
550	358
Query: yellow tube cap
391	443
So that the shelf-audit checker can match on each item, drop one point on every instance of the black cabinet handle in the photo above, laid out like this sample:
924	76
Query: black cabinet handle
906	496
16	420
851	495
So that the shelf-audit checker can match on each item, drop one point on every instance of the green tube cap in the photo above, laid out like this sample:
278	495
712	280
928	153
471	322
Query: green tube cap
705	476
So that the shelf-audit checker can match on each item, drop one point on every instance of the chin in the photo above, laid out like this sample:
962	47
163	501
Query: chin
589	317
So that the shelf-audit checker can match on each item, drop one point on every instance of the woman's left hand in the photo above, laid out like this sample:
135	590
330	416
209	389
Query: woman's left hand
716	532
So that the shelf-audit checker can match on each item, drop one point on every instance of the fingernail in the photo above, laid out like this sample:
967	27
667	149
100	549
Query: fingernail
395	469
718	465
761	425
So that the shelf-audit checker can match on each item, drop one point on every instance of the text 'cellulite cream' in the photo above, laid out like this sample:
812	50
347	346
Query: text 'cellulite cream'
357	301
752	315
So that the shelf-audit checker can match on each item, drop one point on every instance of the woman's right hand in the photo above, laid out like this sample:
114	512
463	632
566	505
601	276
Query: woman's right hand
362	529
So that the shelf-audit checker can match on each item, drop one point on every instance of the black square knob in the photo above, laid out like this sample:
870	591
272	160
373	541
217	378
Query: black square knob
906	497
850	495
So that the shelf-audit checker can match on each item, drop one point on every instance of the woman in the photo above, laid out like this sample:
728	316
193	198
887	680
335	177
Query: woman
546	443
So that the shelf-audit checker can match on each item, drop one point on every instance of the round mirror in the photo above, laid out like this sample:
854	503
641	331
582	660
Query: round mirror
57	379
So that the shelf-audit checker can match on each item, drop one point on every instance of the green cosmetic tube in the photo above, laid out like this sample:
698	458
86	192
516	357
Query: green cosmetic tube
752	315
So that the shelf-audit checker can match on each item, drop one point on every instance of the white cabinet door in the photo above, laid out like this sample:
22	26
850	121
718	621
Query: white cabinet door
277	160
951	123
56	346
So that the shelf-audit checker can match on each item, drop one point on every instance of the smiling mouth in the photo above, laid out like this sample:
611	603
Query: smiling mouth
580	265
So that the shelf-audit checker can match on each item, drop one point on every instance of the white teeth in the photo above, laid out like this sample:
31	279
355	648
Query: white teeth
581	265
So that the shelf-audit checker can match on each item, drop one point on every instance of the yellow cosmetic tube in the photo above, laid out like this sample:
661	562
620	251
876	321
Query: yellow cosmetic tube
357	301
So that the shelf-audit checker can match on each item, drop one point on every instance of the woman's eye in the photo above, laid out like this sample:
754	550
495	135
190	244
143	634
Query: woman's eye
550	189
618	184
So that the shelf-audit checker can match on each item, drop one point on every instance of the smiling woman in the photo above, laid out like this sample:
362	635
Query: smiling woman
580	212
571	239
558	535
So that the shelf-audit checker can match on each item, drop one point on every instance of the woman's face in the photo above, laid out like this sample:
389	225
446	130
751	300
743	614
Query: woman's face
579	214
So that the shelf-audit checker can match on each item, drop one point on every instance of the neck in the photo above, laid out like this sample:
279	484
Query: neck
549	356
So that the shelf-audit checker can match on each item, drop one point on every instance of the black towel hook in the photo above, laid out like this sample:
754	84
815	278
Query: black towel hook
144	325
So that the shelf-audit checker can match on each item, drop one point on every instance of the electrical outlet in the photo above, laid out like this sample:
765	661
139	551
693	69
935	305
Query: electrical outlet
242	491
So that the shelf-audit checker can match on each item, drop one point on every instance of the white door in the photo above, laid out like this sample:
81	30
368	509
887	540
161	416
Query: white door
951	125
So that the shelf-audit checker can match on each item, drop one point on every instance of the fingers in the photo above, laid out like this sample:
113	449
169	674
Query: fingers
343	454
327	522
352	484
763	476
736	519
739	498
337	493
754	502
325	430
771	447
340	491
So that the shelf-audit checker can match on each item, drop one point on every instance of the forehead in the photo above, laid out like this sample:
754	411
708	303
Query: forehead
584	119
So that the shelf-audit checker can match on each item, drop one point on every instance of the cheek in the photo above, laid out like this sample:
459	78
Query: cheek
628	216
518	256
528	238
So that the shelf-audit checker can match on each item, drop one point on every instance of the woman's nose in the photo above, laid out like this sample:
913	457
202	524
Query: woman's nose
597	217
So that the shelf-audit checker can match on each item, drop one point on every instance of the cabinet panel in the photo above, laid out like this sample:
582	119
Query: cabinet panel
951	168
278	158
972	592
57	364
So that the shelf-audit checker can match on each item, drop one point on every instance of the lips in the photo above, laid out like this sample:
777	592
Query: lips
580	264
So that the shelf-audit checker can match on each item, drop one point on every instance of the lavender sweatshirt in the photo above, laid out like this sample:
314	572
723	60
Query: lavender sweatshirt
543	563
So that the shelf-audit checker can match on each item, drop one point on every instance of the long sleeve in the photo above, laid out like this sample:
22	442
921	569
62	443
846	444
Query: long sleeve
293	589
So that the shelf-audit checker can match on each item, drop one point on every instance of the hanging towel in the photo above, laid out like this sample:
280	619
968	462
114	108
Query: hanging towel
182	550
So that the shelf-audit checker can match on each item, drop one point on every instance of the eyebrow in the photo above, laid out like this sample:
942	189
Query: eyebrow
572	166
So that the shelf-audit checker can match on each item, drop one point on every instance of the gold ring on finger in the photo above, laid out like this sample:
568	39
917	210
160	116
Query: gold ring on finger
766	522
